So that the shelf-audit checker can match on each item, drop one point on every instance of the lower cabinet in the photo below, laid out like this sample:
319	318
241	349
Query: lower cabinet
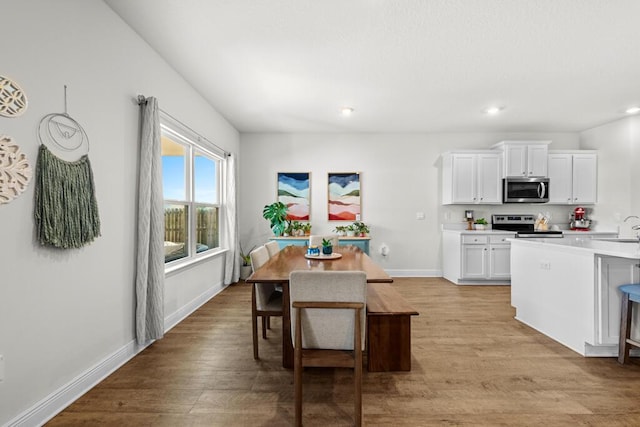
476	258
486	257
612	272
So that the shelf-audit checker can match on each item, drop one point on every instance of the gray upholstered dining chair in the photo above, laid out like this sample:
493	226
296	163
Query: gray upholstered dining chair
328	326
266	301
272	247
316	240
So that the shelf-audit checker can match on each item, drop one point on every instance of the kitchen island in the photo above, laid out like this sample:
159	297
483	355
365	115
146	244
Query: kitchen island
568	289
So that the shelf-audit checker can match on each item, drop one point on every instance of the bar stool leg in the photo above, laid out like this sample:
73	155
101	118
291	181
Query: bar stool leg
625	329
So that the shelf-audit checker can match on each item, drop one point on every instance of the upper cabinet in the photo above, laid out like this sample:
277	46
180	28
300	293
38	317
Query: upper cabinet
524	158
573	177
471	177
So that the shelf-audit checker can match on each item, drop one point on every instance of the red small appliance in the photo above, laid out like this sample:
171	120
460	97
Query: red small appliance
579	222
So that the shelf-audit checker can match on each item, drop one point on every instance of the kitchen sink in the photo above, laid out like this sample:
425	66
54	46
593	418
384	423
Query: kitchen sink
619	240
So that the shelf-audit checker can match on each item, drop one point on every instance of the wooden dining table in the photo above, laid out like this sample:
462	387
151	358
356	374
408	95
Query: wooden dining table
292	258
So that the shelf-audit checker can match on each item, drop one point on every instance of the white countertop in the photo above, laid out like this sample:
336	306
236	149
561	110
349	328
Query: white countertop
570	233
597	247
480	232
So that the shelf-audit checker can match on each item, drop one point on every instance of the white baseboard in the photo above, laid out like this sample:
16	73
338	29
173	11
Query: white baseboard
53	404
414	273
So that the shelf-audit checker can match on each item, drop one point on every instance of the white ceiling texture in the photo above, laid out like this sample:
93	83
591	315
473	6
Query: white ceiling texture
403	65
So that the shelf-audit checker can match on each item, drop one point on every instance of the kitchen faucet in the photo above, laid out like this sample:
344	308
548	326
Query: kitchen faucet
635	227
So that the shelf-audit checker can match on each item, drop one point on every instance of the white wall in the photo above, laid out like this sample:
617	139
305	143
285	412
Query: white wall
64	312
618	145
400	177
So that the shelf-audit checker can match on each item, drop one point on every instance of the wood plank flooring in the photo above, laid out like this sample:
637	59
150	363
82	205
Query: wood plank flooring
472	365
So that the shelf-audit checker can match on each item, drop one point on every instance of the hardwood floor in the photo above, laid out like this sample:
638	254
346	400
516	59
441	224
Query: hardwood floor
472	365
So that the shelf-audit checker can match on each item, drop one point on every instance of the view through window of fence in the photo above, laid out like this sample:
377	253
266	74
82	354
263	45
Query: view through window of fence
191	187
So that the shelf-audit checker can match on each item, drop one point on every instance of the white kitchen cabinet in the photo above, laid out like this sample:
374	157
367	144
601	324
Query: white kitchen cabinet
477	257
499	258
471	177
524	158
573	177
613	272
490	263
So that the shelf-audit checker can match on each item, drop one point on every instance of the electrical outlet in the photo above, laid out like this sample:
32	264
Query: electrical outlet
1	368
419	215
545	265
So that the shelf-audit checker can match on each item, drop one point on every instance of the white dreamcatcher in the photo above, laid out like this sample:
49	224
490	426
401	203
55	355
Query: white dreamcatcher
15	172
63	131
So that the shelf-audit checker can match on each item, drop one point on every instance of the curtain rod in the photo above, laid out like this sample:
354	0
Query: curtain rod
141	99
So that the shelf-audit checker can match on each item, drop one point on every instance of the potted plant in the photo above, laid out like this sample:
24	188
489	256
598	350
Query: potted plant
276	214
481	224
300	229
361	228
340	230
306	228
327	247
245	269
351	230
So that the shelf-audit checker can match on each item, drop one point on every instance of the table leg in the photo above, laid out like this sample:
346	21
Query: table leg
287	344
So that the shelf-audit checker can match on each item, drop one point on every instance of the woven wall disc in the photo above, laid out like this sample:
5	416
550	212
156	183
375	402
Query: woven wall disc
13	100
15	172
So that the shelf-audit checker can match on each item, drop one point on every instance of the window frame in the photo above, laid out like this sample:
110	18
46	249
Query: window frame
194	146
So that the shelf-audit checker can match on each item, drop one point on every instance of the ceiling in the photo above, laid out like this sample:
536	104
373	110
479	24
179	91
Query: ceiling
403	65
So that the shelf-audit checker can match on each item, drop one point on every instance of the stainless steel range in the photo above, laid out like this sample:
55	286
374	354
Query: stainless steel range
522	224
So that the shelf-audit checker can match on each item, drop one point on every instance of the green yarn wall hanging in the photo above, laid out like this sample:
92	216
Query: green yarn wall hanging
66	210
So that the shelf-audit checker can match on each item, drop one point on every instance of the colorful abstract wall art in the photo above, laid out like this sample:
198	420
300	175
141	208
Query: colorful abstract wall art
293	191
344	196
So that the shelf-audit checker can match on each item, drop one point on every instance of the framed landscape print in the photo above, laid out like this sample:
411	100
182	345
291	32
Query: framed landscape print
344	196
293	191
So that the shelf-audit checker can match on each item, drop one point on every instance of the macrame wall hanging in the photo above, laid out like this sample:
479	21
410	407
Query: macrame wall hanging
66	210
15	172
13	100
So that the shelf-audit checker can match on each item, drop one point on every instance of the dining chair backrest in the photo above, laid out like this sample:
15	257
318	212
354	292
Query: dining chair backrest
259	257
264	291
325	328
316	240
272	247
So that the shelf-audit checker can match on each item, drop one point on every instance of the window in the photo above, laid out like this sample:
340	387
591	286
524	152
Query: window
191	187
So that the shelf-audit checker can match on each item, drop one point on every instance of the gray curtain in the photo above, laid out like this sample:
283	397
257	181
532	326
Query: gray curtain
232	259
150	237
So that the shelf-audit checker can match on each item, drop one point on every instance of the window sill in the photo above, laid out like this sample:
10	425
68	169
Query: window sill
183	265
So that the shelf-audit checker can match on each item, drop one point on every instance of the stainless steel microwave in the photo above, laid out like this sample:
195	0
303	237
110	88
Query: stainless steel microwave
525	190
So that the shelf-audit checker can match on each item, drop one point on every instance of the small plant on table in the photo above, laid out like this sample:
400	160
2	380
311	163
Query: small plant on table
327	247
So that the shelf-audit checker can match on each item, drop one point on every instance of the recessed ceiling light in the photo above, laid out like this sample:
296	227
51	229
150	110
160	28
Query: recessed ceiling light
493	110
632	110
346	111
